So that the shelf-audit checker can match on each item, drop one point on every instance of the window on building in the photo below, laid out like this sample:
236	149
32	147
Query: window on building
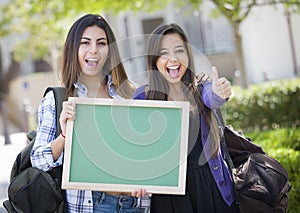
210	36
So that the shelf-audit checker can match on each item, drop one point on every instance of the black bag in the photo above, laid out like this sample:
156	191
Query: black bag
261	183
239	146
30	189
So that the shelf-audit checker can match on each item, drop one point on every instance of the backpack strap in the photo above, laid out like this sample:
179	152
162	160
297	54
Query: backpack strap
221	125
59	96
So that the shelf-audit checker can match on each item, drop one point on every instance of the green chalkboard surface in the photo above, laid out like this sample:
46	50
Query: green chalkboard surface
123	145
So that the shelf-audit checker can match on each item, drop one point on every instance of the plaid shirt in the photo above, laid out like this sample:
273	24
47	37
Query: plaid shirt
41	154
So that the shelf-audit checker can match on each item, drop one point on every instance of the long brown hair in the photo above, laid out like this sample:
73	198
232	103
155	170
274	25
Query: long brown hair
158	86
70	63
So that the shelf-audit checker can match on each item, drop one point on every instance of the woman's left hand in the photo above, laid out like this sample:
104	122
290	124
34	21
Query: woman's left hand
140	193
221	86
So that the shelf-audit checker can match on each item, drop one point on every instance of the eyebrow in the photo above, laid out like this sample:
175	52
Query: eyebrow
175	47
179	46
99	39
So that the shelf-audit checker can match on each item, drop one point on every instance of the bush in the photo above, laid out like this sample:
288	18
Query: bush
287	138
271	105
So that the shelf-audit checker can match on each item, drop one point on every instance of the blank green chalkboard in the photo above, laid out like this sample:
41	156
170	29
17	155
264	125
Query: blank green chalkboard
123	145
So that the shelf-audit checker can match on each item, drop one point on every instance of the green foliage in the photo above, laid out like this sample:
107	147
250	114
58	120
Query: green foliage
288	138
44	22
236	11
270	105
40	21
284	146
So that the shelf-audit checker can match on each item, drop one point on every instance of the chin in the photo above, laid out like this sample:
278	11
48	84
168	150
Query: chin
174	80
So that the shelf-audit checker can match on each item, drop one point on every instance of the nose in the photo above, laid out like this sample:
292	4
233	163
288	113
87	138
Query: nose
172	57
93	49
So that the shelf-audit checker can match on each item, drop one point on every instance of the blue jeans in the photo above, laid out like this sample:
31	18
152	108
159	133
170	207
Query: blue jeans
105	203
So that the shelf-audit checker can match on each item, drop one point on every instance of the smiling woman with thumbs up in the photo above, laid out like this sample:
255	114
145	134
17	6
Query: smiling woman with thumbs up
209	186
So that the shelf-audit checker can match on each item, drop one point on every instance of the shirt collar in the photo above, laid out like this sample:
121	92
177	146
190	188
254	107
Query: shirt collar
82	90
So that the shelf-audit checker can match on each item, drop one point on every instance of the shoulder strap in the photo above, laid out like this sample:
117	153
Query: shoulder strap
59	96
221	124
220	119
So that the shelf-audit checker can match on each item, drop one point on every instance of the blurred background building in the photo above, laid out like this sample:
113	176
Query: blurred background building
270	41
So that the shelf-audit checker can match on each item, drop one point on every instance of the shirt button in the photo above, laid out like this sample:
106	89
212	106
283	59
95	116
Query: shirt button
215	167
228	197
222	183
89	201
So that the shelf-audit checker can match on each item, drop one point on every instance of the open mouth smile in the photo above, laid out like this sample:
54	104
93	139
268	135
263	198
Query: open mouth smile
173	71
92	61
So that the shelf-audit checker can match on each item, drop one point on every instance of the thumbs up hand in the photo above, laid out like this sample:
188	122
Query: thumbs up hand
221	86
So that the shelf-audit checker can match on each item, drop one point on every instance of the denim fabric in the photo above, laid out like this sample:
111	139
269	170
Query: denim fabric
105	203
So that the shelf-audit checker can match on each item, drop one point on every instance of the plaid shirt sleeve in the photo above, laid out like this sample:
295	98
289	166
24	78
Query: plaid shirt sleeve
78	201
41	154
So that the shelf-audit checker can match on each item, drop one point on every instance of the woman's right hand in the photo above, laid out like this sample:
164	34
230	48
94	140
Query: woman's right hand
68	112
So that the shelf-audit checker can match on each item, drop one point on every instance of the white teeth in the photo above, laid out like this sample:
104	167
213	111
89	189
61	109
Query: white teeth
92	59
173	67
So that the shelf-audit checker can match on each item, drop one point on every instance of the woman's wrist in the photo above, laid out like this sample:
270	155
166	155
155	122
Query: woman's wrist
62	134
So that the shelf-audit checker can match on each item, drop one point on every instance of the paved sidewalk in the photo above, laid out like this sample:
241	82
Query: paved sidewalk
8	154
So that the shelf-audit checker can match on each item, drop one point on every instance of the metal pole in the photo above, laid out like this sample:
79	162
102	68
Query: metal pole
289	25
5	122
3	105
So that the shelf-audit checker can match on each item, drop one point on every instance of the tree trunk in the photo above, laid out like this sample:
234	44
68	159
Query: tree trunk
240	56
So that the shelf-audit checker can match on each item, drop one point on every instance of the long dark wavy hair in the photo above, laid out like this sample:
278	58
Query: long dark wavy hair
70	64
158	87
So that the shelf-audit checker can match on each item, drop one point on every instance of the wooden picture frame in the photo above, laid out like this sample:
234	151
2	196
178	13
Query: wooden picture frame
123	145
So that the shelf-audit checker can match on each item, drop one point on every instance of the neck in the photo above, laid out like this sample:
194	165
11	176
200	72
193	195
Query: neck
176	93
96	88
91	81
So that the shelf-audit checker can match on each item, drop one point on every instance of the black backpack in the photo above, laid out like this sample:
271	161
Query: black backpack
261	183
30	189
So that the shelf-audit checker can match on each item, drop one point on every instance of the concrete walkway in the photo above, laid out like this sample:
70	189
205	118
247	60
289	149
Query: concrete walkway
8	155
